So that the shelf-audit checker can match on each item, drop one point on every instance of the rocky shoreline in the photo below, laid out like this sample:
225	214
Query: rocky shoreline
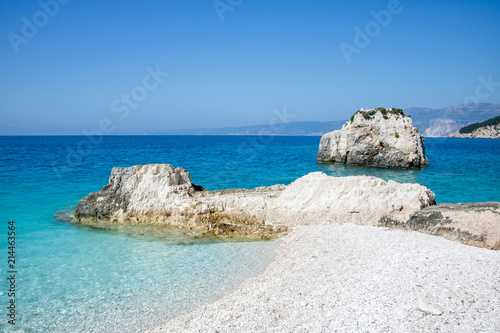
488	129
476	224
356	254
160	195
486	132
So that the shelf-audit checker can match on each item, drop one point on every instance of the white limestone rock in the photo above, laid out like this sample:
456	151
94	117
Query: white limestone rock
355	199
139	191
164	195
375	138
320	192
161	195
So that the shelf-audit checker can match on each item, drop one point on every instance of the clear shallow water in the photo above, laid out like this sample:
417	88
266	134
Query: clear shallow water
75	279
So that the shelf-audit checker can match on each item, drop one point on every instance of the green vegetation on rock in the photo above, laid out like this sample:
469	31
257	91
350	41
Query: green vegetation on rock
397	111
472	127
367	114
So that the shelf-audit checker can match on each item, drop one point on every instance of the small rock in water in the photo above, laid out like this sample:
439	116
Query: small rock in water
376	137
64	215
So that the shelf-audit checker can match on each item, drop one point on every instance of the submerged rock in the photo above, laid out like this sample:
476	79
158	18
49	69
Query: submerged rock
65	215
378	137
160	194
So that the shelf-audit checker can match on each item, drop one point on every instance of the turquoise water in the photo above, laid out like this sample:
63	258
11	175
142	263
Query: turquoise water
80	279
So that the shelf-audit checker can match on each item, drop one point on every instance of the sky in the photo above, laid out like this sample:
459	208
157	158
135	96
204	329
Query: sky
70	66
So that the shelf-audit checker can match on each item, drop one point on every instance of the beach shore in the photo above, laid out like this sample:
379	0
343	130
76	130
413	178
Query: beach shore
353	278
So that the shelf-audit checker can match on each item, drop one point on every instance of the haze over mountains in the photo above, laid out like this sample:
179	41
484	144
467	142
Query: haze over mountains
430	122
310	128
444	122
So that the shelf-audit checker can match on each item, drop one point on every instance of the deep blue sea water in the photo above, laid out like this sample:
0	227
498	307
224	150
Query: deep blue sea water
79	279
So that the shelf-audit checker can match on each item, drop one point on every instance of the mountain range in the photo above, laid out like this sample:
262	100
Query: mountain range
444	122
430	122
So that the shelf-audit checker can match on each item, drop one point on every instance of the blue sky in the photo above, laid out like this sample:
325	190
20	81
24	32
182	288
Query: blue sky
232	62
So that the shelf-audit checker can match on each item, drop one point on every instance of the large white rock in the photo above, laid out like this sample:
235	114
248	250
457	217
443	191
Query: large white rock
162	194
320	192
375	138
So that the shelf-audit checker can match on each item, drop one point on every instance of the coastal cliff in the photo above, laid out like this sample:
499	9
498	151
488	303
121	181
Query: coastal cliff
489	129
377	137
159	194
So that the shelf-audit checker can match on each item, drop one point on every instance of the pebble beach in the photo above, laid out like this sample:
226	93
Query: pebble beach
352	278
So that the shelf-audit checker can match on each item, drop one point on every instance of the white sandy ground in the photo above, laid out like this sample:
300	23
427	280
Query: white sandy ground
351	278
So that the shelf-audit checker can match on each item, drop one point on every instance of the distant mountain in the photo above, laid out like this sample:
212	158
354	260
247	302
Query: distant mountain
444	122
430	122
310	128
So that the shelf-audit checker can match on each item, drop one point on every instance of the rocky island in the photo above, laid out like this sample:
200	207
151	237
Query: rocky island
377	137
489	129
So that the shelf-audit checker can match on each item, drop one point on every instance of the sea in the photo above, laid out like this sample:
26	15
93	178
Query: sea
69	278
